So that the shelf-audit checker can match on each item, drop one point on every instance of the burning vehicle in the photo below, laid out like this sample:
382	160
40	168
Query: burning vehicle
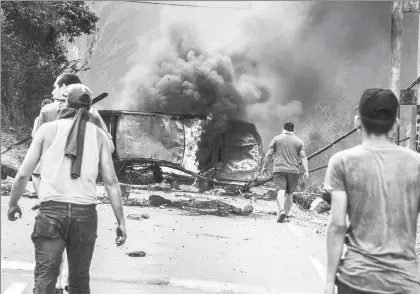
177	145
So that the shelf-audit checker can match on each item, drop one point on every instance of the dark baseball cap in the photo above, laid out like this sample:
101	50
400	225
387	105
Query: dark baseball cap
378	106
78	95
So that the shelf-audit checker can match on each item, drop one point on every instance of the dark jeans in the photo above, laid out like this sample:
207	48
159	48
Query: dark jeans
60	226
344	289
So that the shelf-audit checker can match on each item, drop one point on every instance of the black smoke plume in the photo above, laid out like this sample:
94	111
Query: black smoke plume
184	78
288	58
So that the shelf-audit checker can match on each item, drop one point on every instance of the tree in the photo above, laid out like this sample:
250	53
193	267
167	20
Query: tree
33	53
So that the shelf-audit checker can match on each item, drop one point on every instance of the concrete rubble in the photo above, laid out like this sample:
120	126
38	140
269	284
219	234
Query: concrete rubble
213	202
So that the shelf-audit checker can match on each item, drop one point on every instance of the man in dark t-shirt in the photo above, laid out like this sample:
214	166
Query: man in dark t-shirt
377	184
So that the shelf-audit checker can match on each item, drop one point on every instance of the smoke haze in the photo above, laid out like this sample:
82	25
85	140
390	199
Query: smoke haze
265	65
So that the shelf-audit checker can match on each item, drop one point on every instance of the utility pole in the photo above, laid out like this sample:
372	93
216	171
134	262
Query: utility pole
395	62
396	36
414	104
415	112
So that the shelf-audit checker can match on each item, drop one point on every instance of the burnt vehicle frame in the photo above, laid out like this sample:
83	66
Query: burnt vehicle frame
240	145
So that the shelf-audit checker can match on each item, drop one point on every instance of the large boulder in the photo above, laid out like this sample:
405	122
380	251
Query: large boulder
303	199
156	200
319	206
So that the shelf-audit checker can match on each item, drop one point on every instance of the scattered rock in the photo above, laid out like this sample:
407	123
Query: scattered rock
125	190
326	196
303	199
7	171
6	187
204	186
270	195
174	184
134	216
258	191
218	191
145	216
156	200
248	209
319	206
137	254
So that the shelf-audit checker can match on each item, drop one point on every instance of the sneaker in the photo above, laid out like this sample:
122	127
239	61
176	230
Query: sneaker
281	217
287	219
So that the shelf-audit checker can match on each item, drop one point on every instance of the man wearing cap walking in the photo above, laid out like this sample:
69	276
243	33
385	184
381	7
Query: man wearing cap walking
377	185
49	112
286	149
73	150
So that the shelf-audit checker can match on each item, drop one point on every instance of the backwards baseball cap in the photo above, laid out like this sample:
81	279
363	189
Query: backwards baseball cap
378	106
78	95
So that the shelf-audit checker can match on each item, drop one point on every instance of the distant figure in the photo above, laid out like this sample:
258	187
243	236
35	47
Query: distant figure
286	149
36	122
73	150
377	184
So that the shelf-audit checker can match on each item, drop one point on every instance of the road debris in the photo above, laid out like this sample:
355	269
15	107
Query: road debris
156	200
125	190
137	254
134	216
6	187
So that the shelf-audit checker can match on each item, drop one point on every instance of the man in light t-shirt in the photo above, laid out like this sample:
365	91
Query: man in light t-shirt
377	185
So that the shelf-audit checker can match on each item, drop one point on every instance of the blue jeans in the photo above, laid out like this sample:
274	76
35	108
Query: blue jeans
60	226
344	289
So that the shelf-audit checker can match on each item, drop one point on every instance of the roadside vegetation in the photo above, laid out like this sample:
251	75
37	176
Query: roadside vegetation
33	53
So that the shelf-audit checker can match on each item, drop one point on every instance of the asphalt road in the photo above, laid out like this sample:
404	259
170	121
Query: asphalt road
185	254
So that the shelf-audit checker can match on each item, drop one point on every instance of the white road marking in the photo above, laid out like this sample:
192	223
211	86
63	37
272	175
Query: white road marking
16	265
220	287
320	269
15	288
202	285
294	230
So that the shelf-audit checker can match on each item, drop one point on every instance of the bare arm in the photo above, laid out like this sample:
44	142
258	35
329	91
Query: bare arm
336	232
269	154
304	159
110	179
335	183
29	163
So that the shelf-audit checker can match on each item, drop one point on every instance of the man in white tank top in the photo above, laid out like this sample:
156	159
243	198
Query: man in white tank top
73	149
50	113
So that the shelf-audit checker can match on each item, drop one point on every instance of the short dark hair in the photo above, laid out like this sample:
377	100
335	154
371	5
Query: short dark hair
68	79
374	128
378	110
289	126
45	102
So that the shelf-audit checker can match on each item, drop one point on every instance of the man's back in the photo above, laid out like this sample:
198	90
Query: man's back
56	183
383	191
287	148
